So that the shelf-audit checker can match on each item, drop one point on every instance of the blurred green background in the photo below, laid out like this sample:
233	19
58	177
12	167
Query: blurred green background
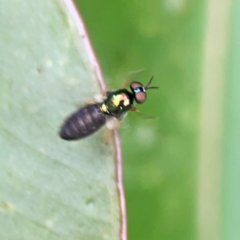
178	167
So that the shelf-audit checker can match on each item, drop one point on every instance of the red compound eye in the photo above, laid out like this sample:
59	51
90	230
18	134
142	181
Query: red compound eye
138	91
140	97
134	85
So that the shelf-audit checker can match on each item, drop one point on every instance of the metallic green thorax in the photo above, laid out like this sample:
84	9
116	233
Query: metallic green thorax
117	103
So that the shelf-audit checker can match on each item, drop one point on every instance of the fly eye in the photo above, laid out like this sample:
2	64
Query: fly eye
135	85
138	91
140	97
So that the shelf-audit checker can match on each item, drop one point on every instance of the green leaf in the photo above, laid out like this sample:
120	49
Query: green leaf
50	188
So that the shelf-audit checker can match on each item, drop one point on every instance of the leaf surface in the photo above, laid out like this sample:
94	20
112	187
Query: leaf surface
50	188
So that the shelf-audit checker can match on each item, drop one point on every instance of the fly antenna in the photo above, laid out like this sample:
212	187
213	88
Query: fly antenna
149	83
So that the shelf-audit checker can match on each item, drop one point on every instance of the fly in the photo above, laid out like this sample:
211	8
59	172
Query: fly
90	118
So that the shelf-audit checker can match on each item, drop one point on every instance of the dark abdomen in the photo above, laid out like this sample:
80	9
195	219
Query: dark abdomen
83	123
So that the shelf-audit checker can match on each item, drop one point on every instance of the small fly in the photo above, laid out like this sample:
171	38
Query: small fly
90	118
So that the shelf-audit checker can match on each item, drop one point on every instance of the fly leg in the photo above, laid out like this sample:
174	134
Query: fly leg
146	116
